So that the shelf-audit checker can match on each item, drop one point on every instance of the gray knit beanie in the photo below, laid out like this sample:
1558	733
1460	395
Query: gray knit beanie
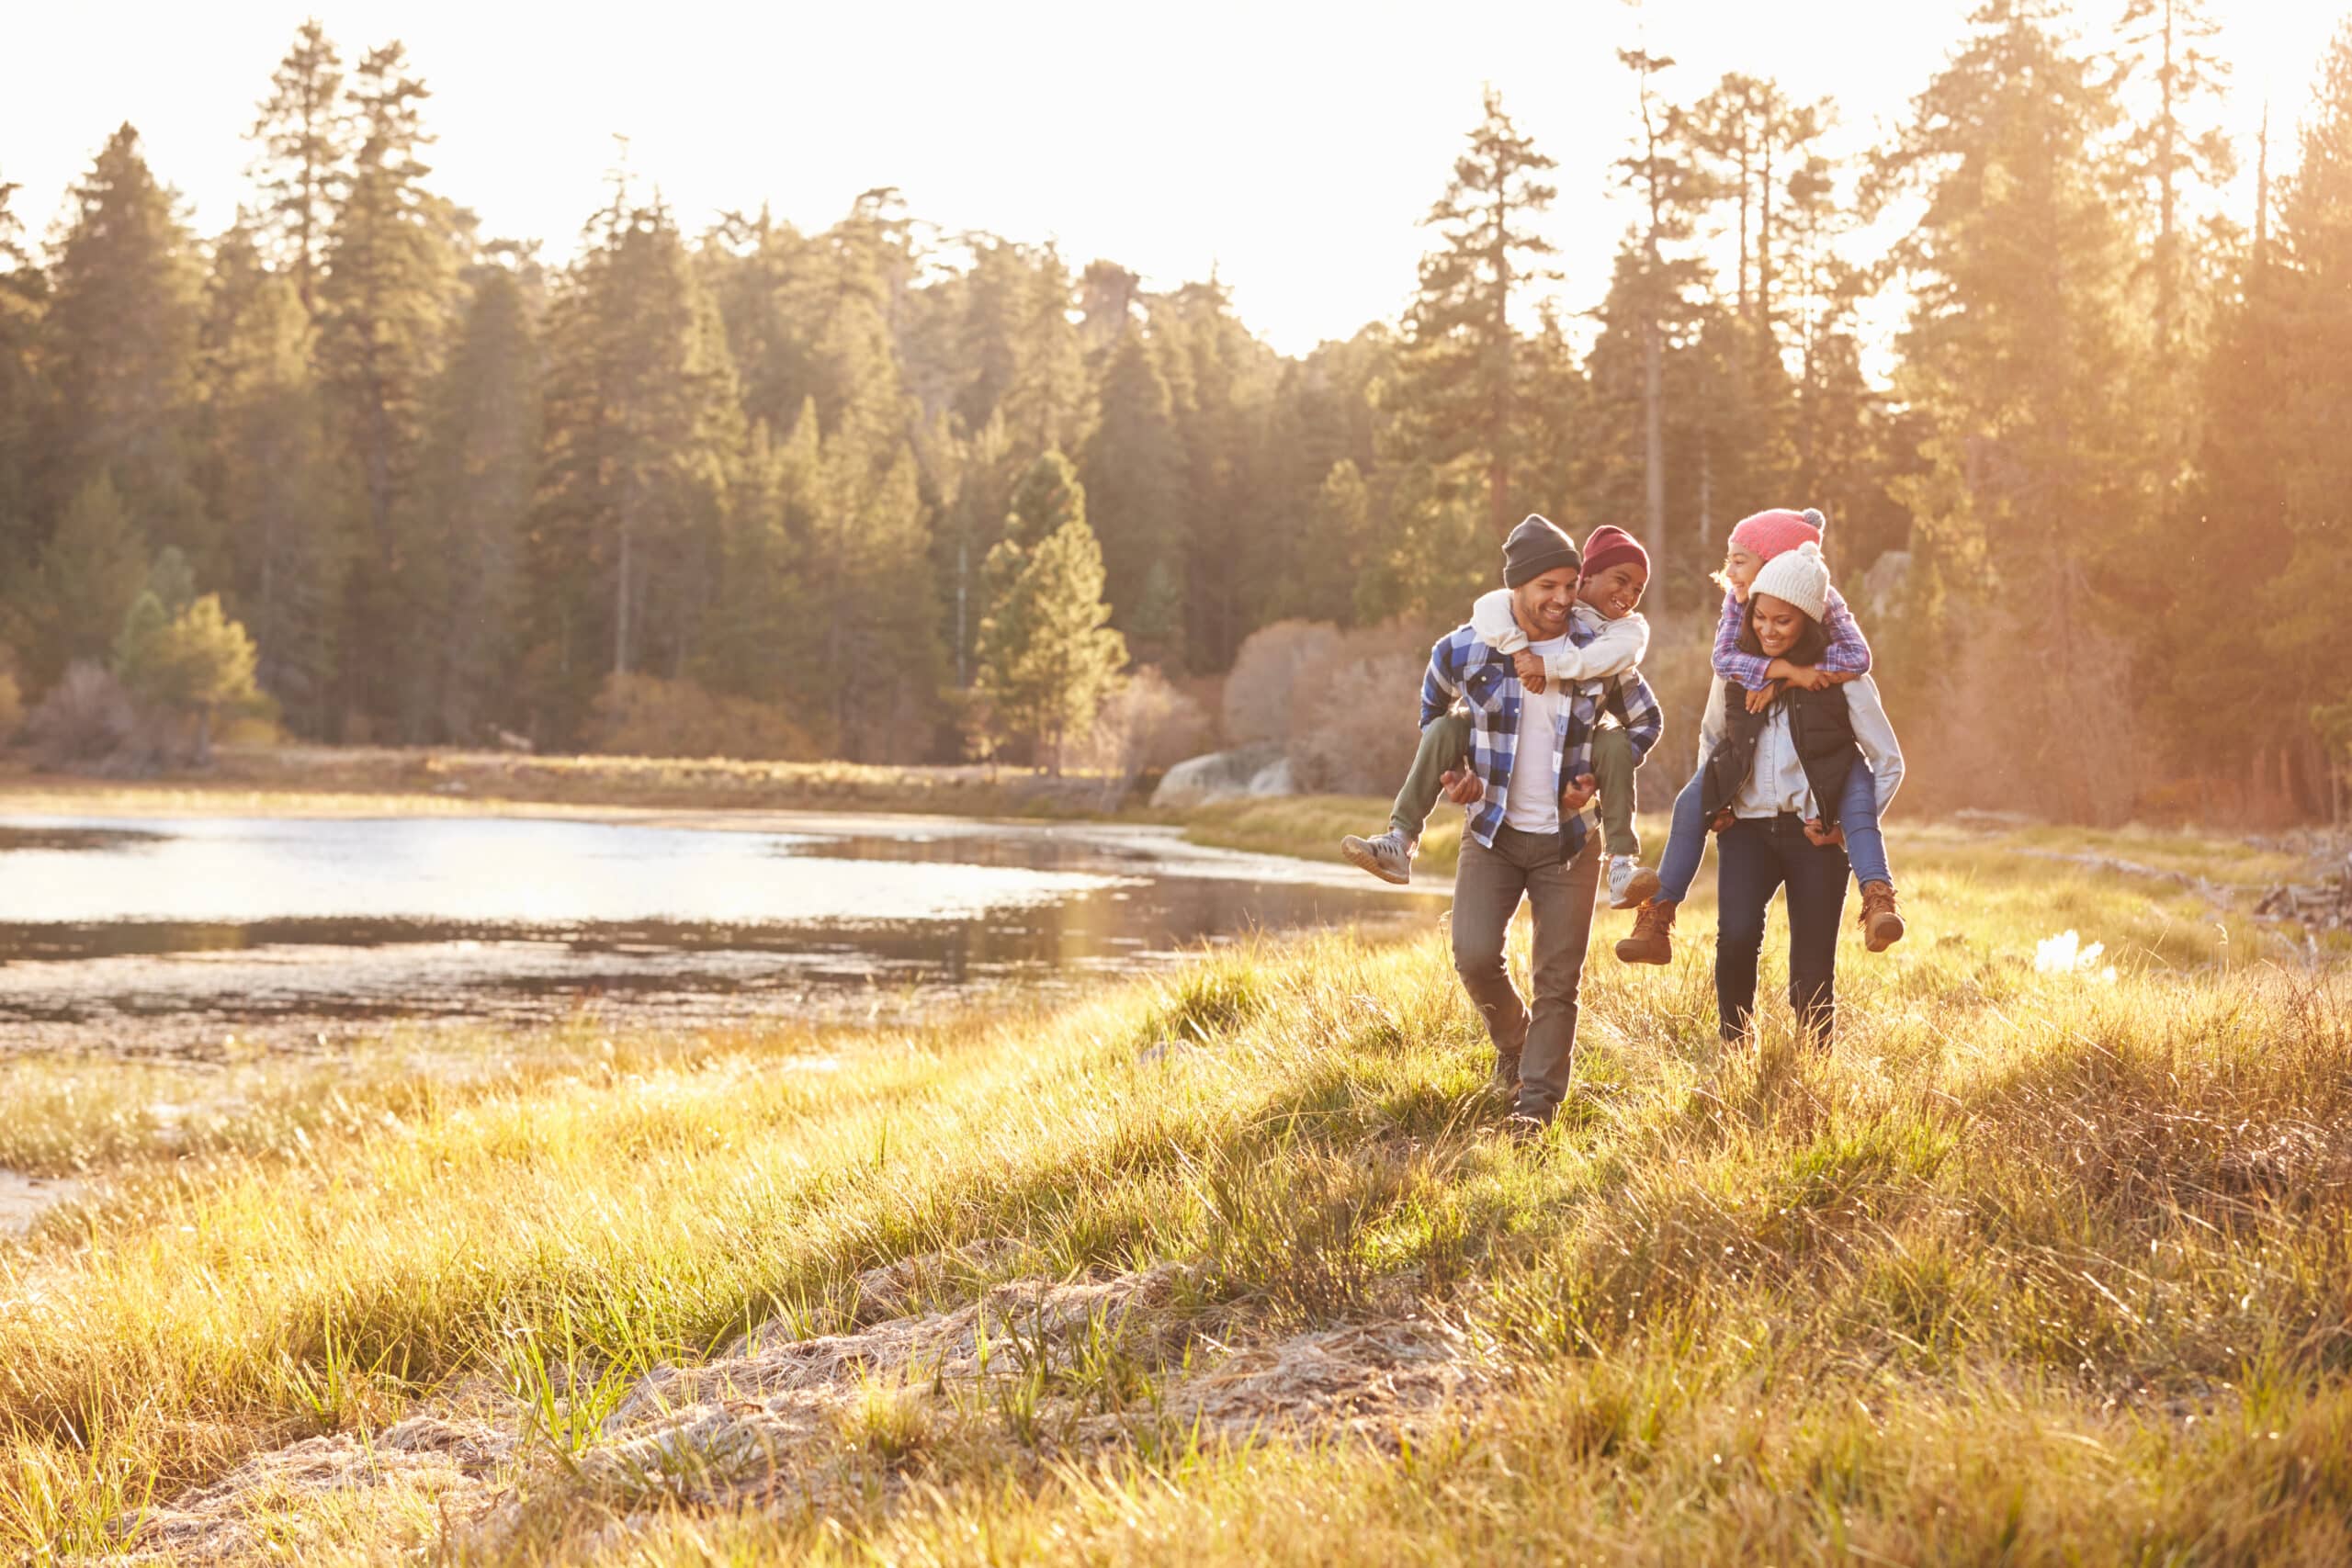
1536	546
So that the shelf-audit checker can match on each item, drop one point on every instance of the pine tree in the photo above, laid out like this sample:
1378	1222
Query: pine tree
1135	485
970	525
2021	333
2170	151
1669	187
91	572
1221	384
303	129
23	293
1048	499
2314	298
1022	356
465	587
1338	535
1670	311
194	664
1047	658
1461	366
385	303
268	473
120	345
1558	423
641	440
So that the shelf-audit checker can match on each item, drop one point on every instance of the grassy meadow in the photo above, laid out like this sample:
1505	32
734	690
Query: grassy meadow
1230	1265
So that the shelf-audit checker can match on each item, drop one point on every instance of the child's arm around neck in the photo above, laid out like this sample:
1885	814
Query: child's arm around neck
1492	620
1848	654
1616	647
1752	670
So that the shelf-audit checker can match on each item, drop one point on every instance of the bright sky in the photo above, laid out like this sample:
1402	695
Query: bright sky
1293	146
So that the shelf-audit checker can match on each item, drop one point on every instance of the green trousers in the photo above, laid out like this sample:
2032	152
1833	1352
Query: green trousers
1445	744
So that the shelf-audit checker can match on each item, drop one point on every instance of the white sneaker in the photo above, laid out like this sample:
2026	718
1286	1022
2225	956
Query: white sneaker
1631	884
1389	857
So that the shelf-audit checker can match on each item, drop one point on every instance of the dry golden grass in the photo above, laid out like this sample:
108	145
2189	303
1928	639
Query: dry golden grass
2028	1268
387	779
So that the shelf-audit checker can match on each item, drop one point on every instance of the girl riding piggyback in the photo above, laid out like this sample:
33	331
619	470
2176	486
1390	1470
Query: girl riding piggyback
1757	680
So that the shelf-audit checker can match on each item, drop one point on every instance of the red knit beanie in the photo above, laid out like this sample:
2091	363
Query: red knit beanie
1769	534
1608	545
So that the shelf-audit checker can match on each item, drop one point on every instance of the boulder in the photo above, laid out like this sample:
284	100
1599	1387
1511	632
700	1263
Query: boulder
1259	769
1274	779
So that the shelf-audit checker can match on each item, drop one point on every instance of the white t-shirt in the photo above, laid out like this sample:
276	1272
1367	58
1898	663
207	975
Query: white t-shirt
1533	803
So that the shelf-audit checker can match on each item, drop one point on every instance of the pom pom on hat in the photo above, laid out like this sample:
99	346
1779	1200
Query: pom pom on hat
1798	577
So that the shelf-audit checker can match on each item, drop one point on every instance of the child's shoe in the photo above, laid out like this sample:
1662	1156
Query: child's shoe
1653	938
1389	857
1630	882
1881	922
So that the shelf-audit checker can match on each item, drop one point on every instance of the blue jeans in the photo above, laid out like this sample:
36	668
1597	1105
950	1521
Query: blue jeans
1858	814
1759	856
1686	842
1686	836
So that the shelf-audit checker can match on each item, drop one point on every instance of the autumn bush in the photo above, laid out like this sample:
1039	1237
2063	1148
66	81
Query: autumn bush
1258	691
84	719
1144	726
646	715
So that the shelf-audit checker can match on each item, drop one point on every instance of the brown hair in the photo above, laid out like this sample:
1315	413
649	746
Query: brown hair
1810	644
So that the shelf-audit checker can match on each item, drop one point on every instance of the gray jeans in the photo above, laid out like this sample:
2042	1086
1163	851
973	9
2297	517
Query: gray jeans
1488	887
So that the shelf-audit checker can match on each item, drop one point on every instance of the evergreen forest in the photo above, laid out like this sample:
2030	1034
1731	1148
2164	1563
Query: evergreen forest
888	494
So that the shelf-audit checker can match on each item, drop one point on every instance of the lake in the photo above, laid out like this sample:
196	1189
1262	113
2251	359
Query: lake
190	935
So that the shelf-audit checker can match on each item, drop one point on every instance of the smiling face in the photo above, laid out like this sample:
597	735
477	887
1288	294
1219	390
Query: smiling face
1777	624
1616	590
1740	567
1541	603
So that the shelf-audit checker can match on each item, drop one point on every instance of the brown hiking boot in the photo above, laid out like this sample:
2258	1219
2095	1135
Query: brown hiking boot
1653	938
1881	922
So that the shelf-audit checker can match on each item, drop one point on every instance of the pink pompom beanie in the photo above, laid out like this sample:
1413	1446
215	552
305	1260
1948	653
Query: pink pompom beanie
1773	533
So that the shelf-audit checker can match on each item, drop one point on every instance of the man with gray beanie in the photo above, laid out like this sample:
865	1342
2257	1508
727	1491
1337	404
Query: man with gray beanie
1526	781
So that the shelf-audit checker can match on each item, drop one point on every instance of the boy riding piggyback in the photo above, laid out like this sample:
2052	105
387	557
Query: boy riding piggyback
1600	650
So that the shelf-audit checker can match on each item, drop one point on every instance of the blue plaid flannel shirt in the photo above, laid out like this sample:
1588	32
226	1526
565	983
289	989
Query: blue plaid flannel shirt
1463	668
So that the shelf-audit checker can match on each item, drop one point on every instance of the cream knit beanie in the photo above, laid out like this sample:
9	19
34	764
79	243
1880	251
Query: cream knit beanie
1798	577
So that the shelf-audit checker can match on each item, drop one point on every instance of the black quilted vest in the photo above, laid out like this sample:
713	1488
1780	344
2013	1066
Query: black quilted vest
1818	723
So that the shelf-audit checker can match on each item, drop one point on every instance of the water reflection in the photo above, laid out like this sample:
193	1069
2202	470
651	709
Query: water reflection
166	933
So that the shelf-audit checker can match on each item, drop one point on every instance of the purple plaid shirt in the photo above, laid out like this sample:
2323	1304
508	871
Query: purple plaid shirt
1848	655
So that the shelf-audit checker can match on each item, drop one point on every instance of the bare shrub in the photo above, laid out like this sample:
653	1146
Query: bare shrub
2026	721
644	715
1258	692
84	721
1145	727
1354	715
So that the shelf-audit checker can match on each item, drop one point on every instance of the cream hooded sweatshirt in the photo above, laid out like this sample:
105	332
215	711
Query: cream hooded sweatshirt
1616	647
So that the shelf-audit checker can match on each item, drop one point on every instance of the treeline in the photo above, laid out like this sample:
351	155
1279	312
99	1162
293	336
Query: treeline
451	489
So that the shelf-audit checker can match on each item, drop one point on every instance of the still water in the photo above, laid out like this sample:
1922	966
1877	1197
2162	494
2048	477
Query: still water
194	934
